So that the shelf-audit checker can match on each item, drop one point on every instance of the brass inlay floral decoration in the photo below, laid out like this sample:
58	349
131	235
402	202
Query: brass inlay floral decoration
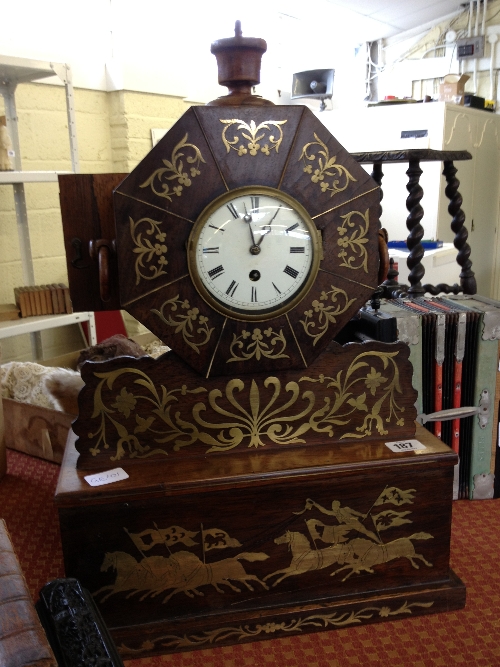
173	171
255	419
191	324
296	625
258	344
319	317
353	253
151	252
349	395
159	408
252	136
245	413
326	166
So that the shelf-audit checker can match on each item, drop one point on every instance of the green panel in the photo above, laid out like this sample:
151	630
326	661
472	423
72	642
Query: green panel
486	371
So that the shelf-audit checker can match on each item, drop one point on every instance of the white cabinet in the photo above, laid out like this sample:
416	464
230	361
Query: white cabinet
478	132
14	71
445	127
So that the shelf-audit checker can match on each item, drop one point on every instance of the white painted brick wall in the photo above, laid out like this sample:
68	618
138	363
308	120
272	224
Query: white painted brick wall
114	134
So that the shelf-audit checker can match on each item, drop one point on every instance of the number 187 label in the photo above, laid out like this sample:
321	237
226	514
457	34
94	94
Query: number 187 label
405	445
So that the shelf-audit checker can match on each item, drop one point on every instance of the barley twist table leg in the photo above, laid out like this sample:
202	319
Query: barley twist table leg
377	175
467	279
416	213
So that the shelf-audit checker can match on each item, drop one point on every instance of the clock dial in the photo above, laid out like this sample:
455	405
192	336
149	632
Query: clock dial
253	253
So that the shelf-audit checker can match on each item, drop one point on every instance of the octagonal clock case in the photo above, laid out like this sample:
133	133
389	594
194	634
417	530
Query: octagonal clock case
247	238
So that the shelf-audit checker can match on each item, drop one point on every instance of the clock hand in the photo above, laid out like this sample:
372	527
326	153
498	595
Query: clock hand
248	218
279	207
268	230
264	233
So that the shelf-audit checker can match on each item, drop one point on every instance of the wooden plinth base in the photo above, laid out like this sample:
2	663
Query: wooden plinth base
270	623
209	551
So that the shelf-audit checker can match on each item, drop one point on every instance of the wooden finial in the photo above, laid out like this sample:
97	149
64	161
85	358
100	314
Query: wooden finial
238	63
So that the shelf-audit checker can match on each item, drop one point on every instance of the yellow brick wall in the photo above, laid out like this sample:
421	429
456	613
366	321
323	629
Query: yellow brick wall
132	117
114	134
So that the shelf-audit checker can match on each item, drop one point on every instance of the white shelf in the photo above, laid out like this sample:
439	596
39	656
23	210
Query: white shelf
27	325
11	177
21	70
14	71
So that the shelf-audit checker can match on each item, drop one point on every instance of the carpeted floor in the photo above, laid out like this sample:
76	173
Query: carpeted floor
468	637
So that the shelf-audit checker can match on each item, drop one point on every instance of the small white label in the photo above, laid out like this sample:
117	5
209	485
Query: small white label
108	477
11	153
405	445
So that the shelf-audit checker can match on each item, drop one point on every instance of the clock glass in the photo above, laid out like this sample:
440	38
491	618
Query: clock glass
254	253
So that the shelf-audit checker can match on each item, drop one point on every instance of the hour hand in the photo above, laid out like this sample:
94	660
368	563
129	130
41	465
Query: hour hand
267	228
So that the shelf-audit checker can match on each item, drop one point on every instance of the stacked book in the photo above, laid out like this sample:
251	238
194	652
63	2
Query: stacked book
43	300
9	311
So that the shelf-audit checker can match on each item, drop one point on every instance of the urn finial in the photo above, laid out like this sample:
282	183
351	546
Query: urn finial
238	61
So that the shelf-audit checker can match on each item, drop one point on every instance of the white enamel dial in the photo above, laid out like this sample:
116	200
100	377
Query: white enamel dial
254	251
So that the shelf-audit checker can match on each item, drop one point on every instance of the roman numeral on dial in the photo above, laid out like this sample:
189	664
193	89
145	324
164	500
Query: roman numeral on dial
215	273
291	272
277	290
233	211
255	204
297	249
208	250
232	288
219	229
290	229
254	295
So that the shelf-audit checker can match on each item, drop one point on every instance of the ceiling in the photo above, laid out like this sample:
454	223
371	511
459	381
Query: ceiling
377	19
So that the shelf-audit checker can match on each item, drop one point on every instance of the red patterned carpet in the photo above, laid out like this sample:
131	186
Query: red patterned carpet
468	637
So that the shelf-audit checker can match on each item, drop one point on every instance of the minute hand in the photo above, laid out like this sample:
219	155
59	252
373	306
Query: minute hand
268	230
248	219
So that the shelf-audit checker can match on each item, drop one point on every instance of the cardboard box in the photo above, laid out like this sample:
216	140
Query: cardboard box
34	430
39	431
452	88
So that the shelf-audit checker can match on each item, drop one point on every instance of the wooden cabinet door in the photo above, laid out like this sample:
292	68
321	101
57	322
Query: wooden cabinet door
89	239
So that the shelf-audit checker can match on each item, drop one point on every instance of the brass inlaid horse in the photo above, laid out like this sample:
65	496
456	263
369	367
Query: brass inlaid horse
183	571
357	555
367	554
304	559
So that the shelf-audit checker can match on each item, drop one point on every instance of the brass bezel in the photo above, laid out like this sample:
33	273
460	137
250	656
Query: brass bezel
268	314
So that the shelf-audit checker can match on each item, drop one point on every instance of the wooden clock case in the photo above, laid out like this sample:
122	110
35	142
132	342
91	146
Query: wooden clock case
261	497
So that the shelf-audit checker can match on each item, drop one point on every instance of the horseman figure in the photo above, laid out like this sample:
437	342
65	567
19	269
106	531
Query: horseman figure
347	517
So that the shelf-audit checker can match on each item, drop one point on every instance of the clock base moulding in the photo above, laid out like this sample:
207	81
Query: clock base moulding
228	549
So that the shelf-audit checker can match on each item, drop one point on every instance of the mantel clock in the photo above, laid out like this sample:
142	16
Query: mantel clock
245	240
